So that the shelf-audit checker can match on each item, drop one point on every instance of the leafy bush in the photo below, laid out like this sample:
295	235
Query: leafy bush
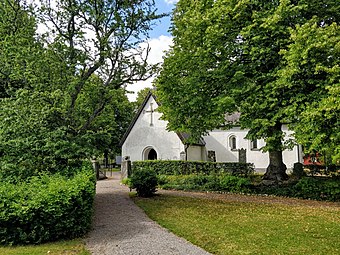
126	181
222	182
179	167
144	180
319	189
46	207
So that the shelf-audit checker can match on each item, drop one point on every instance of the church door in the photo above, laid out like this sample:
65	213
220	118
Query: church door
152	155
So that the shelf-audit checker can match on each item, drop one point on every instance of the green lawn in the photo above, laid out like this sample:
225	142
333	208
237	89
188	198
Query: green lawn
223	227
74	247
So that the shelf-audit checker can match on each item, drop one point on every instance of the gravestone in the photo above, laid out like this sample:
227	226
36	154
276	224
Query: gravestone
242	155
212	156
182	156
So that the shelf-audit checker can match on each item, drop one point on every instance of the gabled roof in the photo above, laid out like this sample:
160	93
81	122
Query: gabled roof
182	136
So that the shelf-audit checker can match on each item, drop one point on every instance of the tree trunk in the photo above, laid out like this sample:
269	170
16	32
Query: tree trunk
276	171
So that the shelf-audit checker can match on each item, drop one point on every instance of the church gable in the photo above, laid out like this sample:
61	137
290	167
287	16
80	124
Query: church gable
147	135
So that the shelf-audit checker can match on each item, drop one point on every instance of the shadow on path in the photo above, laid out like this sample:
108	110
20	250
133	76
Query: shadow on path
121	227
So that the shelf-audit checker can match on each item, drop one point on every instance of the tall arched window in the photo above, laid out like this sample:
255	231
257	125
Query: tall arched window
232	142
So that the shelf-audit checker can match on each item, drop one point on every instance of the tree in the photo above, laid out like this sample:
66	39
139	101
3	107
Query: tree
226	58
141	95
73	104
313	68
17	46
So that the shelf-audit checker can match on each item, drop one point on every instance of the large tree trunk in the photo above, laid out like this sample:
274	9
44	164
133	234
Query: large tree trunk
276	171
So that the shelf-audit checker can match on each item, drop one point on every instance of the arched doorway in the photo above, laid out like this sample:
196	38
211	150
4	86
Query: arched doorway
150	154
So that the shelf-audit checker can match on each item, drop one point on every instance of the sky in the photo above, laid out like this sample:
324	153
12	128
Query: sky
160	41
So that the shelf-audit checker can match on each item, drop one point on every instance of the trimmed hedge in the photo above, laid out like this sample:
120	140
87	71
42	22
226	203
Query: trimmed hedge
179	167
317	188
46	208
201	182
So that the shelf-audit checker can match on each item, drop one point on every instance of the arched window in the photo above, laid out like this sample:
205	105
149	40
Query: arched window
232	142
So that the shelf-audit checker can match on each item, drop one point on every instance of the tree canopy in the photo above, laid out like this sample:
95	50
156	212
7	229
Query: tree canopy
228	56
63	90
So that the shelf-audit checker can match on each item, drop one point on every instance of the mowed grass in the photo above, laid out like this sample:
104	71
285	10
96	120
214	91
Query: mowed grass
74	247
222	227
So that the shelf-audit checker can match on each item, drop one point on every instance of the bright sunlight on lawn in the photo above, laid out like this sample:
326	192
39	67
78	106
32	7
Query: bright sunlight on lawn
223	227
74	247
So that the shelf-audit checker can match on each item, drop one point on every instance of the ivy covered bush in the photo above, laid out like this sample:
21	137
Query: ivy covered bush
179	167
47	207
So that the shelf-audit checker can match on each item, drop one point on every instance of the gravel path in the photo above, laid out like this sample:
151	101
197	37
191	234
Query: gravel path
121	228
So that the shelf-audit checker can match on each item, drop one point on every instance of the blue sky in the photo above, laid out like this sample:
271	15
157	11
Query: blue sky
160	41
162	26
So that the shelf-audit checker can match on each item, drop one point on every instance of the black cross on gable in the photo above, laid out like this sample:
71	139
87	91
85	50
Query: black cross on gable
151	114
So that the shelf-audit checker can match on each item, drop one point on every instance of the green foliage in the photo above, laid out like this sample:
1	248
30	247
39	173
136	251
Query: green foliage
307	188
144	180
318	189
227	57
313	68
61	92
47	207
179	167
126	181
202	182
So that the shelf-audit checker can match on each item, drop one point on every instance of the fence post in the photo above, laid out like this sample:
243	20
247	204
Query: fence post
95	165
126	167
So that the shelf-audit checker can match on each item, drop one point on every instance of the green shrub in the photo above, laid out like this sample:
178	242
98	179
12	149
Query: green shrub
126	181
201	182
46	207
144	180
179	167
317	188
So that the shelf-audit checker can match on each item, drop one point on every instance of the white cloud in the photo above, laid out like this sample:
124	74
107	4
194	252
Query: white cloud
171	1
158	47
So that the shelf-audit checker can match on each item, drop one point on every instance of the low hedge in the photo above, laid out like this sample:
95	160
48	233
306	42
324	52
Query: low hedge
179	167
46	208
201	182
317	188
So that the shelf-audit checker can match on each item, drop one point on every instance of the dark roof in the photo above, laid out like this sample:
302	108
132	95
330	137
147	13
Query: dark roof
182	136
185	136
233	118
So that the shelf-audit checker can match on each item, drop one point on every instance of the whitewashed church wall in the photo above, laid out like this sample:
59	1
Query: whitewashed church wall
196	153
291	156
142	135
219	141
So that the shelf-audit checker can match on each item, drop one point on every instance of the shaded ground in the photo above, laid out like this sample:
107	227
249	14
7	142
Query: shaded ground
120	227
251	198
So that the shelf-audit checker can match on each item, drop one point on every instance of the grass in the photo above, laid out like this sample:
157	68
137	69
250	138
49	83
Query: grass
223	227
74	247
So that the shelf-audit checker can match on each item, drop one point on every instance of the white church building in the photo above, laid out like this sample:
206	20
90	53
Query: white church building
148	139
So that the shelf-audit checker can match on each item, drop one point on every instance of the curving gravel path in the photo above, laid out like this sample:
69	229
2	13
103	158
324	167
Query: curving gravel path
120	227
